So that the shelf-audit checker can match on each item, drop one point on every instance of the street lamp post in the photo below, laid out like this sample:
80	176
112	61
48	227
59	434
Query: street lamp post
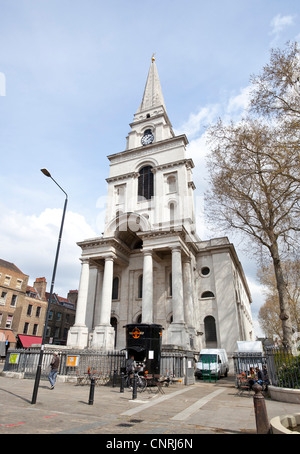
39	367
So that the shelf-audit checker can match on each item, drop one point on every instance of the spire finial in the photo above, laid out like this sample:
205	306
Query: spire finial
153	58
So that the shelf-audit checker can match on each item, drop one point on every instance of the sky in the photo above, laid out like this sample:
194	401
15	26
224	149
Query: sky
72	76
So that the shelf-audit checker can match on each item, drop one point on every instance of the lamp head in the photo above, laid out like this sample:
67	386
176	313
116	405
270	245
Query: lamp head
46	172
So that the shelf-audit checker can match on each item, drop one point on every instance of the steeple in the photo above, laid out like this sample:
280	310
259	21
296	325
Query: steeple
153	96
151	119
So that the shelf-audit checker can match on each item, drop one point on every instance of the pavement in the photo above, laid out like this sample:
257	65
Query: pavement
201	408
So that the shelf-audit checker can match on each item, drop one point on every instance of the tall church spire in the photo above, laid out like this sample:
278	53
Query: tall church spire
153	96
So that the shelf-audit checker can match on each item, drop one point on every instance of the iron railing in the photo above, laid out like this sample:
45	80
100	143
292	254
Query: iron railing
107	364
283	365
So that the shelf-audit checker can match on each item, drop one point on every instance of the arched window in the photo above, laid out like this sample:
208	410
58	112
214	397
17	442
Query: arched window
145	183
140	286
207	295
210	331
115	288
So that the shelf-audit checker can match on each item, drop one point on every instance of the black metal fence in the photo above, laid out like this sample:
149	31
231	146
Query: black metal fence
283	365
76	363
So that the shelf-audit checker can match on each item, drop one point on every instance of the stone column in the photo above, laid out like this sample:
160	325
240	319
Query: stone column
82	294
107	291
177	333
177	286
188	292
104	334
78	334
147	302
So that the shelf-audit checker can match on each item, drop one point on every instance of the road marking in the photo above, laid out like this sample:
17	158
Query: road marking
143	407
196	406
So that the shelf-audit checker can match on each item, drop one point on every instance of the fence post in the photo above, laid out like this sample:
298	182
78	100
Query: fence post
261	417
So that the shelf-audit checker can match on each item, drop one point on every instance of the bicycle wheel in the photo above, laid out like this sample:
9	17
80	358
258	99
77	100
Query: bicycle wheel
141	383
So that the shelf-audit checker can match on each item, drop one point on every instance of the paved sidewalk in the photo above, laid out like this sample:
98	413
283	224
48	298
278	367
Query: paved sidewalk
202	408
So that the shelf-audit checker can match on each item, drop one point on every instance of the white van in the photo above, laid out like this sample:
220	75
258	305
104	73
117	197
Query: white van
213	359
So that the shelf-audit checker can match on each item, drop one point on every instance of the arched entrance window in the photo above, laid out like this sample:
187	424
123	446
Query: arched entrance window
145	183
210	332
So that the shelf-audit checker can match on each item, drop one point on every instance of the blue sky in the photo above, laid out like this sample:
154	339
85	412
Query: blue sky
72	75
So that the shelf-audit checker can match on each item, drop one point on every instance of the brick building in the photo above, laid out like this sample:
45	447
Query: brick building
13	285
23	310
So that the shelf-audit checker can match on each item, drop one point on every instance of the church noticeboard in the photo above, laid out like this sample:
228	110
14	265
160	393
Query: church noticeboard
73	361
14	358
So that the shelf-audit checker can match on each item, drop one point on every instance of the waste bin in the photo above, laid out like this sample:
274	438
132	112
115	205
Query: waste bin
143	341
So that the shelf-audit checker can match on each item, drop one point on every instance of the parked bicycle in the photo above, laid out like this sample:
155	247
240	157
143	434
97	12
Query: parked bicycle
141	382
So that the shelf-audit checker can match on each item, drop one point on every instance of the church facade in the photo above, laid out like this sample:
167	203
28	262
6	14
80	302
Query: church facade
150	266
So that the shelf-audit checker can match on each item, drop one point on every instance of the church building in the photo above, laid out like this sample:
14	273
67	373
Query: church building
150	266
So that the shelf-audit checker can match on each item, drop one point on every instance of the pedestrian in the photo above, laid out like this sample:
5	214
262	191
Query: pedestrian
54	369
131	365
130	369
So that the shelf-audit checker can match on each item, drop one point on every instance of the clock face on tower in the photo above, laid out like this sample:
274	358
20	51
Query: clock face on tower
148	137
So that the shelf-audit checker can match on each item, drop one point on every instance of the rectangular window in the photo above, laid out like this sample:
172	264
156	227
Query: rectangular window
35	328
7	280
13	300
3	298
58	316
19	283
38	311
26	326
9	321
29	309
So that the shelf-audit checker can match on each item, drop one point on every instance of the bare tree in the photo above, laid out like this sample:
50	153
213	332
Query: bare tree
268	316
254	171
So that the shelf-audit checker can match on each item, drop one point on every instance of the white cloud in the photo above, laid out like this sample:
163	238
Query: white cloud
30	242
279	23
233	108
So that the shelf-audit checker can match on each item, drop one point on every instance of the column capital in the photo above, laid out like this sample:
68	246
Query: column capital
109	257
148	252
175	248
85	261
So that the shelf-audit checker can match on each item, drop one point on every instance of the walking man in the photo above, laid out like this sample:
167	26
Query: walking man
54	369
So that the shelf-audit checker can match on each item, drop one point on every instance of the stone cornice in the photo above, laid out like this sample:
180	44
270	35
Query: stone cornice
156	147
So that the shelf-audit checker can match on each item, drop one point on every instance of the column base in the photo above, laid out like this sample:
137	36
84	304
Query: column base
78	336
178	334
103	337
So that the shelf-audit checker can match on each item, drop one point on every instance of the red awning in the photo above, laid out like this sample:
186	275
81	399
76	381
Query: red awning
27	341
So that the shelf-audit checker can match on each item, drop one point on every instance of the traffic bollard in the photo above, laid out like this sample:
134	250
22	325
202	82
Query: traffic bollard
114	379
122	383
261	417
92	390
134	389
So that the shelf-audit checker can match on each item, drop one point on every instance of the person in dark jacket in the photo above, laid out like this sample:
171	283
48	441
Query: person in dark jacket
54	369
